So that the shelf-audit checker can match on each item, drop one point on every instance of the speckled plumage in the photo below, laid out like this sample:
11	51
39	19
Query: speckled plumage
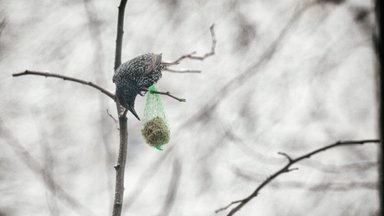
133	76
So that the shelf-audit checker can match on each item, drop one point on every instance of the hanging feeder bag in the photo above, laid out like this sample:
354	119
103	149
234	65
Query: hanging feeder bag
155	129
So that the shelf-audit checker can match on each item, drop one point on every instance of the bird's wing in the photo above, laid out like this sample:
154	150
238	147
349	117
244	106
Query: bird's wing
154	63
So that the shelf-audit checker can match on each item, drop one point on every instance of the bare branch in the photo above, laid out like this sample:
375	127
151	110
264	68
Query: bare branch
112	117
292	169
120	167
286	168
182	71
123	125
285	155
167	94
67	78
227	206
192	54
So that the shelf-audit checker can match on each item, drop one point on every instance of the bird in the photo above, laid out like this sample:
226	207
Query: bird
135	76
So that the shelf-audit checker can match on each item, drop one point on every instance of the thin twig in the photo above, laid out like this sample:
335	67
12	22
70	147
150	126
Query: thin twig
286	168
67	78
112	117
181	71
167	94
285	155
192	54
227	206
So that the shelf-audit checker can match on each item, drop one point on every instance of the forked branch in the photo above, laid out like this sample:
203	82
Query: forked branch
287	168
193	56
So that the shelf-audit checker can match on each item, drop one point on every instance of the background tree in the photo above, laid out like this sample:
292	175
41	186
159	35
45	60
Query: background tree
287	77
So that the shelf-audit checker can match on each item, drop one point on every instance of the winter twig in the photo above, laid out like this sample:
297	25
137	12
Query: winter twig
67	78
196	57
111	116
181	71
286	168
165	93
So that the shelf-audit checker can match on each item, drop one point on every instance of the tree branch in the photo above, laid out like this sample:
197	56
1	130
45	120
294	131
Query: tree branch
120	167
192	54
66	78
286	168
165	93
120	32
181	71
111	116
123	148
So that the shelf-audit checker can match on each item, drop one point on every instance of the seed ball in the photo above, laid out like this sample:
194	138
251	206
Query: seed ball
156	132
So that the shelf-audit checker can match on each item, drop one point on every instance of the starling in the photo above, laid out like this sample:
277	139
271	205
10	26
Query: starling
135	76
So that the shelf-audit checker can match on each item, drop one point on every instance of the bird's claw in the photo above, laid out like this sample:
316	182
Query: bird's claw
142	91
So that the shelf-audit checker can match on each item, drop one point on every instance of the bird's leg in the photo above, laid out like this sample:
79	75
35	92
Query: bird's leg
142	91
122	111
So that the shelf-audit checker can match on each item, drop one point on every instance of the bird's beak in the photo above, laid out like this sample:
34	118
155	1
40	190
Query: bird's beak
134	112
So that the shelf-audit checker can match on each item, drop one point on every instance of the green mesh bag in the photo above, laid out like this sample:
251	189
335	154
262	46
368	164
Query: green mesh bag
155	129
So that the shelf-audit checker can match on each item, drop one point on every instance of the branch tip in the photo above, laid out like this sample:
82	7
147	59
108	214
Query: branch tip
110	115
292	169
285	155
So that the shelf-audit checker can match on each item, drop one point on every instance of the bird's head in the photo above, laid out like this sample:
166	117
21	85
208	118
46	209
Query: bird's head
126	97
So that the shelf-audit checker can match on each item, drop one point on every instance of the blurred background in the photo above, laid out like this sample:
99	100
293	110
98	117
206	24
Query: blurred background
287	76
